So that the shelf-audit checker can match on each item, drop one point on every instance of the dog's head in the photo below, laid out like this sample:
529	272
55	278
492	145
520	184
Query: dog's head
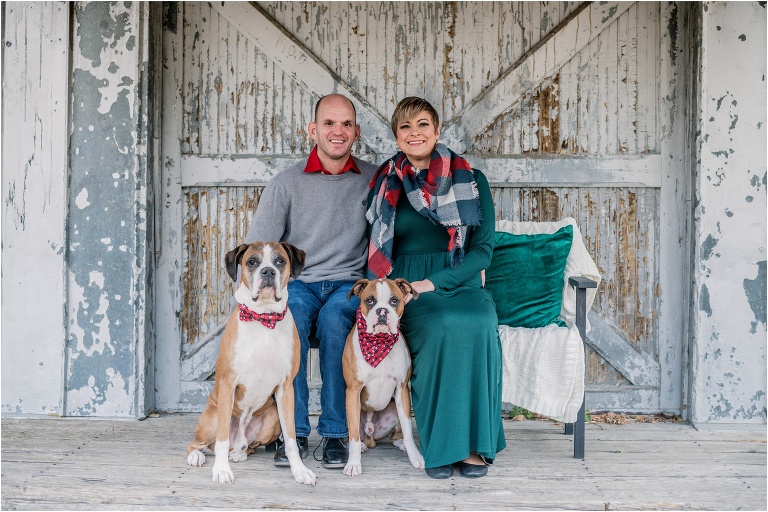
266	268
381	302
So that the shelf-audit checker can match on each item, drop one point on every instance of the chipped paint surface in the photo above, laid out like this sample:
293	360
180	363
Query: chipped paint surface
108	219
34	189
571	108
729	325
242	98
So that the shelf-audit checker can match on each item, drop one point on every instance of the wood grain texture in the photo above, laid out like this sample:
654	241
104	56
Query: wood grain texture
69	464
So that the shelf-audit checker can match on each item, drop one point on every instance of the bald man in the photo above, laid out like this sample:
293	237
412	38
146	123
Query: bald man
319	206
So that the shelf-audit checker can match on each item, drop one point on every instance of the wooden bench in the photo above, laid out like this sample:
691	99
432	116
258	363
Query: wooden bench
579	284
539	277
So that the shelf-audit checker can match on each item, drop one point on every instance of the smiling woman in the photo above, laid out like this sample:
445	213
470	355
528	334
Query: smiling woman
432	223
416	127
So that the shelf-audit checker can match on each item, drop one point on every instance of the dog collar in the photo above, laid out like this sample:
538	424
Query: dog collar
268	319
374	347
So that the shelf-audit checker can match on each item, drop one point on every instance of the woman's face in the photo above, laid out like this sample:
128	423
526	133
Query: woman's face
417	137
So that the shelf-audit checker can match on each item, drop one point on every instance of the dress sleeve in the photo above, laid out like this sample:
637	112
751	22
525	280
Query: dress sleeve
270	222
477	255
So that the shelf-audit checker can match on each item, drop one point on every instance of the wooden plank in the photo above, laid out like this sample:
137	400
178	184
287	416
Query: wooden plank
65	464
528	73
648	66
585	172
35	155
513	171
168	298
191	75
209	68
301	65
639	367
610	97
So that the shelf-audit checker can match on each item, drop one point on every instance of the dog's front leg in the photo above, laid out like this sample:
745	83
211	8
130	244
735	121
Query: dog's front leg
354	466
285	411
237	436
222	473
403	403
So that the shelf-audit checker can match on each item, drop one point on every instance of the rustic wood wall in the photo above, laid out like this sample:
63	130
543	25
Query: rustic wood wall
561	104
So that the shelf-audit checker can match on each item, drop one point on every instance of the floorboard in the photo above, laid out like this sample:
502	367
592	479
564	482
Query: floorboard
80	464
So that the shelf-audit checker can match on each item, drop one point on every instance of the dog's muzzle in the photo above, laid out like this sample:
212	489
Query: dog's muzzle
267	275
268	278
381	316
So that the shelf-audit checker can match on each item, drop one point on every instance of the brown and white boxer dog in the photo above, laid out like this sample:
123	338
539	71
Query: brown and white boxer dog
252	399
377	367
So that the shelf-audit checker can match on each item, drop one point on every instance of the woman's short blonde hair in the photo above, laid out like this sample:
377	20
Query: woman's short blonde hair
409	107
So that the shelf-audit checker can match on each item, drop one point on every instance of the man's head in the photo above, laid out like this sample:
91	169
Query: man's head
334	129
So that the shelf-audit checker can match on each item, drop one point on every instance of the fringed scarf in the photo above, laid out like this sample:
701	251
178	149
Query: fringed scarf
446	194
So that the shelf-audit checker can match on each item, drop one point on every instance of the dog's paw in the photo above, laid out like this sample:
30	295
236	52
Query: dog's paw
237	456
416	460
353	469
304	475
196	458
400	444
363	448
223	475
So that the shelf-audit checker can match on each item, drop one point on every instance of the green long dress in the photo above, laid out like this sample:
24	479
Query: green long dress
452	335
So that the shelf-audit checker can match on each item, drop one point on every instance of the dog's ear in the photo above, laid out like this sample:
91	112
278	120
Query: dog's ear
406	287
357	288
232	259
297	258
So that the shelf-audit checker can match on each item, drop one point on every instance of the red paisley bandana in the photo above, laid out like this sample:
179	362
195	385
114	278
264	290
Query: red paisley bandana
374	347
268	319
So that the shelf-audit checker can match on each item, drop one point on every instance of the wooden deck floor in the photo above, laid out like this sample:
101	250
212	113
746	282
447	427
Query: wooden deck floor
75	464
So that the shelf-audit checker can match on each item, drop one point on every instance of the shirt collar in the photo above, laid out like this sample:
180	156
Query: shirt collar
314	164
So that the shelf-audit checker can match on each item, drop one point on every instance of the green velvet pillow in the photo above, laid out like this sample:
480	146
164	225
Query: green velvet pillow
526	277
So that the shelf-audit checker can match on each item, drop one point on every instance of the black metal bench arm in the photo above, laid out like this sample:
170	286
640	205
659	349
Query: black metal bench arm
580	284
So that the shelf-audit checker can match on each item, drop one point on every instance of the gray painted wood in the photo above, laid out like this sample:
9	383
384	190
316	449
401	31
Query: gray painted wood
110	221
34	187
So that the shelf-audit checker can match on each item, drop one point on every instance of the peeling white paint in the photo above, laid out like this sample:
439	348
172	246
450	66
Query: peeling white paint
99	338
728	361
35	82
82	199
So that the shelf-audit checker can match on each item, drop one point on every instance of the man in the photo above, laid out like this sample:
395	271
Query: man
319	206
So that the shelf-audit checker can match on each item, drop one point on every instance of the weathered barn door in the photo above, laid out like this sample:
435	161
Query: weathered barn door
570	108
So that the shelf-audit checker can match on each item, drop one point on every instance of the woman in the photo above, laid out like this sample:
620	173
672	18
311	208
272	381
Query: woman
432	223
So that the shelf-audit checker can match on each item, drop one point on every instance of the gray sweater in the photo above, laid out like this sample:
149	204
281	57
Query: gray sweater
321	214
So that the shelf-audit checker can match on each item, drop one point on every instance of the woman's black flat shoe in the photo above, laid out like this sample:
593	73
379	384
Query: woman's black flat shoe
472	470
440	472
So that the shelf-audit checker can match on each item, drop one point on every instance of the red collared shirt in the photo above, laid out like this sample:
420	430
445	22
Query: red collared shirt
314	164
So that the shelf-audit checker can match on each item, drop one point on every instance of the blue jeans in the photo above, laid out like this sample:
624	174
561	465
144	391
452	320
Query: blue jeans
323	304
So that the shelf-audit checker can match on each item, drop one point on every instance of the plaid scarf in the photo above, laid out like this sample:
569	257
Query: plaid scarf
374	347
446	194
268	319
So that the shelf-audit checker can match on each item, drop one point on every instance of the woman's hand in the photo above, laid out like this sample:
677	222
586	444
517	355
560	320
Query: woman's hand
422	286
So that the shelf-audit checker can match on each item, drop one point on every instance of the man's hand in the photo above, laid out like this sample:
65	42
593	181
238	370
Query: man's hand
422	286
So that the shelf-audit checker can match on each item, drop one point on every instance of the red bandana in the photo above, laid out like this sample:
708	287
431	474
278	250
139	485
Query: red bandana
374	347
268	319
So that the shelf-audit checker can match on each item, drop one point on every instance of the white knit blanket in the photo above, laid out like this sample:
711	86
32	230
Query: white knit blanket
543	368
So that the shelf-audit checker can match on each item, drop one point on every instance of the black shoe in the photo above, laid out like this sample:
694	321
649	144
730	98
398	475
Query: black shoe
281	459
472	470
335	453
440	472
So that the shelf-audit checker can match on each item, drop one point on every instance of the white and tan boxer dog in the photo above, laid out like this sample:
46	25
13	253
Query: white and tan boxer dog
252	399
377	367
